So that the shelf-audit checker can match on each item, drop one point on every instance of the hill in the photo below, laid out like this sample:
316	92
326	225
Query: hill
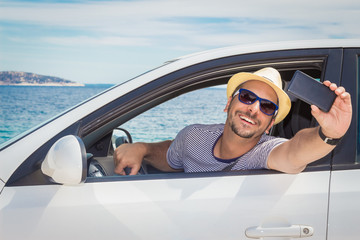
32	79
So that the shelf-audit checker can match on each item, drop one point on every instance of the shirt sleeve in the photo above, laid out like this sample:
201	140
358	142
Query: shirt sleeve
268	147
258	156
176	150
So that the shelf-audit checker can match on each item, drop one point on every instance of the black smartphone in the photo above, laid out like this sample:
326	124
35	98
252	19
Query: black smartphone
311	91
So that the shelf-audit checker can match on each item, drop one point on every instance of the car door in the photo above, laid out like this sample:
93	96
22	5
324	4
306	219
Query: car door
232	205
181	207
344	210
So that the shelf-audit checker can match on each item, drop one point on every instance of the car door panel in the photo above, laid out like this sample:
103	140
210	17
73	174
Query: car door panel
184	208
344	210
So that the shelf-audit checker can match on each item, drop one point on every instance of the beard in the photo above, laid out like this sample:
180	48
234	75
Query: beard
241	131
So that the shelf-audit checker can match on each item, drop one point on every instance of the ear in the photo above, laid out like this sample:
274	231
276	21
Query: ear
227	104
267	131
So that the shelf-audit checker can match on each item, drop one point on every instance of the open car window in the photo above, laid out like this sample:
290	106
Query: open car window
203	106
163	122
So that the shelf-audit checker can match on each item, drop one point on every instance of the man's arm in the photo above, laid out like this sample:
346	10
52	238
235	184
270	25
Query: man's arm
293	156
307	146
132	155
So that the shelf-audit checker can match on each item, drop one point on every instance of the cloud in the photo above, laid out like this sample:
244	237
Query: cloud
115	38
198	22
91	41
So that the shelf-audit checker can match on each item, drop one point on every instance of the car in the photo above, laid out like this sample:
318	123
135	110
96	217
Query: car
57	180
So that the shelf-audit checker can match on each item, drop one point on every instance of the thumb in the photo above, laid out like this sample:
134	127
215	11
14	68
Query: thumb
316	112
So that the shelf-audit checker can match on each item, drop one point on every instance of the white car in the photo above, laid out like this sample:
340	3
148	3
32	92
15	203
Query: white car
57	180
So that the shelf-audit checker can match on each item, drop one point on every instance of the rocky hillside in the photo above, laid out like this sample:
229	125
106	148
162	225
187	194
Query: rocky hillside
32	79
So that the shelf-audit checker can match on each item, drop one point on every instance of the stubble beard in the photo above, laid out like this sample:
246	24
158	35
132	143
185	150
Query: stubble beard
241	131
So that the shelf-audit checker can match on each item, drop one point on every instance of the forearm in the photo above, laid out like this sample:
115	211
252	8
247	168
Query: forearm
155	155
309	147
305	147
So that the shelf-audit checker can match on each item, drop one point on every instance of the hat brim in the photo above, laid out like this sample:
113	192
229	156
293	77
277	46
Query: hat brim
284	100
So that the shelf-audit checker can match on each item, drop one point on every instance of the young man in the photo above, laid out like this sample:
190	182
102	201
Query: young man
256	102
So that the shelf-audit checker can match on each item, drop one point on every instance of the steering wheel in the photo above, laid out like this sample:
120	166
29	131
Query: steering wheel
105	167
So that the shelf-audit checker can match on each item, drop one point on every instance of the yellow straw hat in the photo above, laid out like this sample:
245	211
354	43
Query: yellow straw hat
269	76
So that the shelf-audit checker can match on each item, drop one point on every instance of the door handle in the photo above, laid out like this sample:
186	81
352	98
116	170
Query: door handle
294	231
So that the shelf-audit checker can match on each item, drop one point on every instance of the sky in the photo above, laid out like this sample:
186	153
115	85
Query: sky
113	41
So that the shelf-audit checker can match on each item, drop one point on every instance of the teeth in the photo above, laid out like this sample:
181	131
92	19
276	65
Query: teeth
247	119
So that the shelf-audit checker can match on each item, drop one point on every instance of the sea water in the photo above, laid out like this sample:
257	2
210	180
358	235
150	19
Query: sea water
24	107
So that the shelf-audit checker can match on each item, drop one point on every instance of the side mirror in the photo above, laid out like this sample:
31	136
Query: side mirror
66	161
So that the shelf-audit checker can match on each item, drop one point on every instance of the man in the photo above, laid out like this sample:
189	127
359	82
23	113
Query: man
256	102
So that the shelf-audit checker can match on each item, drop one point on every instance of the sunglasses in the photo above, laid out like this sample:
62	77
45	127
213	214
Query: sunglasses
266	106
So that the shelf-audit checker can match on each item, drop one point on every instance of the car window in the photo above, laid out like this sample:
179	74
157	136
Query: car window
202	106
163	122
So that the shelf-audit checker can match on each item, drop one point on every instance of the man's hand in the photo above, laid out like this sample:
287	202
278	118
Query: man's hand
336	122
306	146
129	155
132	155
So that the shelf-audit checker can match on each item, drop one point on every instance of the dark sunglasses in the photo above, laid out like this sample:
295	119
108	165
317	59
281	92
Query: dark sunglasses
266	106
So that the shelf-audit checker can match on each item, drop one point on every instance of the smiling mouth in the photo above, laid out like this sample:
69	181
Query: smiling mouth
248	120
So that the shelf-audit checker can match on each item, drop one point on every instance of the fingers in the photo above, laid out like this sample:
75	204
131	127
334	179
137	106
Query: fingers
339	91
339	115
128	156
125	169
134	170
334	87
119	165
119	162
346	97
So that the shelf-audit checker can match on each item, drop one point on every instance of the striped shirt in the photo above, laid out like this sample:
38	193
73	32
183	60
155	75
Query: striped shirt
193	150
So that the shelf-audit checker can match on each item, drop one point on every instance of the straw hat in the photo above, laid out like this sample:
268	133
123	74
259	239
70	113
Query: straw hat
269	76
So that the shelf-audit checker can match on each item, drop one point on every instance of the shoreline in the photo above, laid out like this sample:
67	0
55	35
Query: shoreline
45	84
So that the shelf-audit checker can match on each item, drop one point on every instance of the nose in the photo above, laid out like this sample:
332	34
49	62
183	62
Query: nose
255	107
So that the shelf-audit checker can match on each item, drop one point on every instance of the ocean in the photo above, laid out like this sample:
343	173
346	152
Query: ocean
24	107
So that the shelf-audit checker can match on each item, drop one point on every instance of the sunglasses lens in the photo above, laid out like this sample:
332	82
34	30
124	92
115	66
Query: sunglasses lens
267	107
248	97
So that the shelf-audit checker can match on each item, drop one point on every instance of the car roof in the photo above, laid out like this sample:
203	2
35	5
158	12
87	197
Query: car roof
272	46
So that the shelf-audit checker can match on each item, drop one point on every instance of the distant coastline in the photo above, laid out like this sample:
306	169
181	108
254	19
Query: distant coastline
12	78
44	84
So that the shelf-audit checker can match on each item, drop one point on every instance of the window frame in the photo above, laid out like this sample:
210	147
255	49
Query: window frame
347	154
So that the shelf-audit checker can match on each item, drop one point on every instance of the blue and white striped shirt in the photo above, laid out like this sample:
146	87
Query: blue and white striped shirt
193	150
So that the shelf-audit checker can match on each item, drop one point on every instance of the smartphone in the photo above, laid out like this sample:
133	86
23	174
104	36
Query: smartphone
311	91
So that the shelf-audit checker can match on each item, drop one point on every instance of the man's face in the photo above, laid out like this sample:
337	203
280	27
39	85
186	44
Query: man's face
248	121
